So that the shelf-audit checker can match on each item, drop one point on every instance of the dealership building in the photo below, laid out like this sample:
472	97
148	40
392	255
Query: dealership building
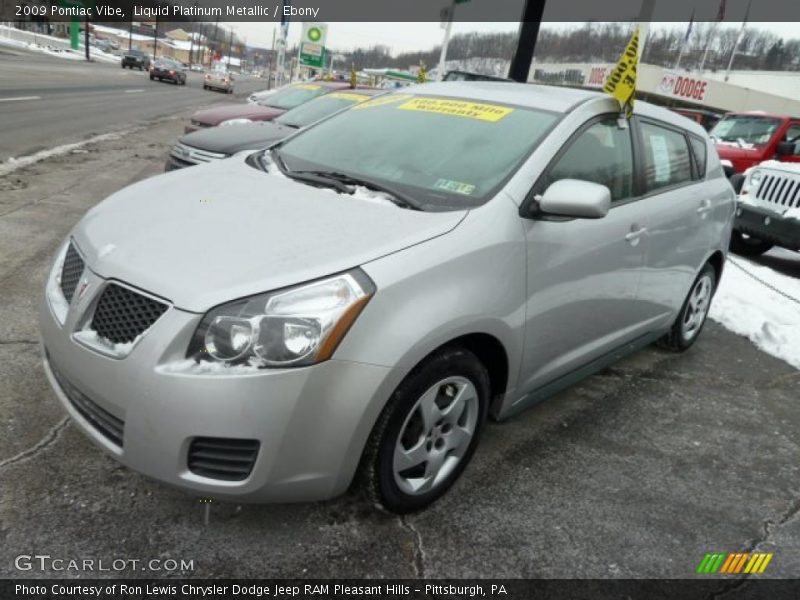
744	90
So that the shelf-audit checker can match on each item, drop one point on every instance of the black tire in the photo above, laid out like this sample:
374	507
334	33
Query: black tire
737	181
677	340
747	245
151	78
376	471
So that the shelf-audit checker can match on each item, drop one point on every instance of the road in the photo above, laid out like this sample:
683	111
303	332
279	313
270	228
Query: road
637	472
47	101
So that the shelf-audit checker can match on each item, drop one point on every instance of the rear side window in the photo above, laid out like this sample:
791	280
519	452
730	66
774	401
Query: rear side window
699	151
666	157
600	154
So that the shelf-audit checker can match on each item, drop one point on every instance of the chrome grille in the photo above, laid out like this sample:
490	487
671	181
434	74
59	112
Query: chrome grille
194	155
111	427
781	189
71	272
122	315
222	458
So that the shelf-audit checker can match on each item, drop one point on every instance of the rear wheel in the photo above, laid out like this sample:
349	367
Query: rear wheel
690	321
747	245
428	431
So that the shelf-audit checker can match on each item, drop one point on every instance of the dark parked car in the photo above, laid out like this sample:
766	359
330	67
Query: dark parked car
135	59
214	143
170	70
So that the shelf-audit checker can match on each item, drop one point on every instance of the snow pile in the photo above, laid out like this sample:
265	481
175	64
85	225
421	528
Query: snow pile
192	367
52	46
12	164
91	338
749	308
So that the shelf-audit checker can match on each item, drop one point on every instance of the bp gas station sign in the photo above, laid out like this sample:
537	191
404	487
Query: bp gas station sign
312	45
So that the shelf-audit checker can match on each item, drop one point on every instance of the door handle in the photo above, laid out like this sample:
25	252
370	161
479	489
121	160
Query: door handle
705	206
633	236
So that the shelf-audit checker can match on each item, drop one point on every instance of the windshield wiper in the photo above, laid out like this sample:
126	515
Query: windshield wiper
308	177
399	198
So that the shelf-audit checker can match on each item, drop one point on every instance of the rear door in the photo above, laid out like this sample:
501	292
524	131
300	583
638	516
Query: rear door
680	201
583	274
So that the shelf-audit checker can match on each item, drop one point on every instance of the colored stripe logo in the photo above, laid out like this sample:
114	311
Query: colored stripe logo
733	563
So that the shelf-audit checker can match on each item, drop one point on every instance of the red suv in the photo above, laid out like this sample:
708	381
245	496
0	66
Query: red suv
746	139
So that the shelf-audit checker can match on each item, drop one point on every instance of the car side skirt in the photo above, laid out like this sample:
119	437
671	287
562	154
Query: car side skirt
550	389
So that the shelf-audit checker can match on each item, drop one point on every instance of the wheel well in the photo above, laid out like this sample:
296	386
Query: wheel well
492	354
717	260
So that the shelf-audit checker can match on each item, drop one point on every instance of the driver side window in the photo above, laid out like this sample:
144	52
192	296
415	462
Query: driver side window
601	154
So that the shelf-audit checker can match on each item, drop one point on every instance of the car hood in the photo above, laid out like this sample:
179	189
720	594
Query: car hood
732	150
235	138
215	116
203	236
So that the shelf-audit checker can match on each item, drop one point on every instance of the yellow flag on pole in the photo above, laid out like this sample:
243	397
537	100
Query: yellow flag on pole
621	82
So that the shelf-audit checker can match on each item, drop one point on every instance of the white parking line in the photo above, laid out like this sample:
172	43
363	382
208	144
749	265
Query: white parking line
133	91
20	98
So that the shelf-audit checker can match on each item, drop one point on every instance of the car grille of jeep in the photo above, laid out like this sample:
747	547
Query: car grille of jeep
122	315
222	458
108	425
188	155
782	190
71	272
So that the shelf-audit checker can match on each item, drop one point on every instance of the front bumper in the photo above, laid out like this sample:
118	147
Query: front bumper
767	225
311	423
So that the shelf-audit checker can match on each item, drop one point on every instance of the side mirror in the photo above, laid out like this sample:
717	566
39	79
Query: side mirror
785	149
576	198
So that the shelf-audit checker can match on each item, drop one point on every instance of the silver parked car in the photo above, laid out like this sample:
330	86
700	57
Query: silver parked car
219	78
361	296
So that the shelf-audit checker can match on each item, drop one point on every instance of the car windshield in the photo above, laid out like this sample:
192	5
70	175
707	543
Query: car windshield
294	95
319	108
745	129
446	152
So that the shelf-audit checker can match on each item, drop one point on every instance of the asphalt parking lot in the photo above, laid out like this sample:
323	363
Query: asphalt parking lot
636	472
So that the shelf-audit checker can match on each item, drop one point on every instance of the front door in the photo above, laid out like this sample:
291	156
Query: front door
583	274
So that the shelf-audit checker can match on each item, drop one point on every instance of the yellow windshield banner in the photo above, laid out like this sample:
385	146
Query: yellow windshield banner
621	82
384	100
349	96
458	108
306	86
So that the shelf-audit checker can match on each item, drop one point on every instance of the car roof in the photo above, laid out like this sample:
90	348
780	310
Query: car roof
758	113
558	99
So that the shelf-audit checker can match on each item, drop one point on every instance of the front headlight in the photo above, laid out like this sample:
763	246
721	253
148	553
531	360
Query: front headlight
236	122
751	181
298	326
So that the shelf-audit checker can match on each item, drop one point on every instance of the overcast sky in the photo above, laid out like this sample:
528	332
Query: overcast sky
403	37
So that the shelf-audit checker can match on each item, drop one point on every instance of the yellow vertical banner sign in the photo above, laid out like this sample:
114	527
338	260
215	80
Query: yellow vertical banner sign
621	82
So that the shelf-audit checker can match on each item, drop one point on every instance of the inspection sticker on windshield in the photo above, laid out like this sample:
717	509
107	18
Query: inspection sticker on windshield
458	108
349	96
456	187
384	100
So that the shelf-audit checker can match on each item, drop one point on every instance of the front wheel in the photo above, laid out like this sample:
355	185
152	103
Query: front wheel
747	245
690	321
428	431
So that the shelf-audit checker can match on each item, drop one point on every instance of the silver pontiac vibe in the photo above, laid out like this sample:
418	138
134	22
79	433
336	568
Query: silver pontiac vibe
363	295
